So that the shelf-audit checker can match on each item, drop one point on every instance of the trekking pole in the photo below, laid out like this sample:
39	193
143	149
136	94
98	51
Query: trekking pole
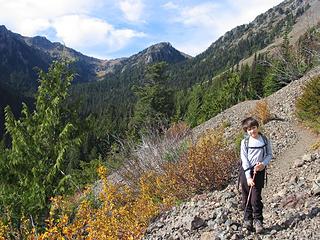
248	199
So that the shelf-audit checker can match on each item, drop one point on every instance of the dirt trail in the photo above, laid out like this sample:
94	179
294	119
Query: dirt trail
280	165
287	181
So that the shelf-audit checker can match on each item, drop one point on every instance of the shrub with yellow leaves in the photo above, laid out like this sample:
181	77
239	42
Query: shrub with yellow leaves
3	230
8	230
119	213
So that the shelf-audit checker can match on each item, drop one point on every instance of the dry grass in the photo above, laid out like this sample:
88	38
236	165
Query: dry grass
155	151
262	112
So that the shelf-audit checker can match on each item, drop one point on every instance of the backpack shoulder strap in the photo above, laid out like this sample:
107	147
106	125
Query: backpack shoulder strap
264	138
246	144
246	141
266	142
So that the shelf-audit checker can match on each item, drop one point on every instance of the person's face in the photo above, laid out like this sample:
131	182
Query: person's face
253	131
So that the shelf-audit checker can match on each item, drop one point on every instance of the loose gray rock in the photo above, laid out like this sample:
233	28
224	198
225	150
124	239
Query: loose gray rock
196	223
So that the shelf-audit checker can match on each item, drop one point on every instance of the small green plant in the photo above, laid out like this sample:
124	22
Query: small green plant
238	140
308	105
226	123
316	145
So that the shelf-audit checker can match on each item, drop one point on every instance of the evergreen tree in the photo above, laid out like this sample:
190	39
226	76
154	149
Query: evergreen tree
289	63
181	105
35	167
246	87
155	104
195	102
256	79
270	82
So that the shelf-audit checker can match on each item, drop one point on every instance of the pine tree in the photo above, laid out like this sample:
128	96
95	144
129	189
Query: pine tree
245	76
195	102
155	104
270	82
256	79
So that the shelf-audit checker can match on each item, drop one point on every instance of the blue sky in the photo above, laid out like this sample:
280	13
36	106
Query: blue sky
109	29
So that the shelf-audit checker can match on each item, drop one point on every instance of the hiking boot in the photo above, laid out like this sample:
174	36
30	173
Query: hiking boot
248	225
258	226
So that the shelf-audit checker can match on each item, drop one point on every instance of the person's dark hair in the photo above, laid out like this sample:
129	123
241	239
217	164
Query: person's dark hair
248	123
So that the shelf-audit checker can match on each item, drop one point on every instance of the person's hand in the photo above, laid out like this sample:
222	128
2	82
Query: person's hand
250	182
259	167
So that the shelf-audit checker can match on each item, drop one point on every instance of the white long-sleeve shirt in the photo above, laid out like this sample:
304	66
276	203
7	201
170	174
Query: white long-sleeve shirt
254	155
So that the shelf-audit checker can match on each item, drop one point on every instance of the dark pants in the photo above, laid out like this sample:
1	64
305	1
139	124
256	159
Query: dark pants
255	205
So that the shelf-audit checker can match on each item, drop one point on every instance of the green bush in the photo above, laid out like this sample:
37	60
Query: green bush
237	141
308	105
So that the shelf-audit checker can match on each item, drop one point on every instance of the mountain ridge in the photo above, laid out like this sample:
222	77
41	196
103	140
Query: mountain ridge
88	68
245	40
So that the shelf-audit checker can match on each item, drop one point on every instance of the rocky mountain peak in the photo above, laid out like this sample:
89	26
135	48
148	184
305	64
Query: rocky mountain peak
159	52
40	42
5	34
3	29
162	46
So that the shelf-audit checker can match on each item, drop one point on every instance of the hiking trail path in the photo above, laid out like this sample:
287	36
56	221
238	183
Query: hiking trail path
280	165
290	178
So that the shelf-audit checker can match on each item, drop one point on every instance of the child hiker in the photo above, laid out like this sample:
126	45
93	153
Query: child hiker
256	154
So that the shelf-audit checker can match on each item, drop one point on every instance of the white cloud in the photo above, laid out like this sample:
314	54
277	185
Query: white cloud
208	19
205	24
132	9
77	31
31	16
82	31
249	9
211	20
201	15
192	48
170	6
120	37
70	20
